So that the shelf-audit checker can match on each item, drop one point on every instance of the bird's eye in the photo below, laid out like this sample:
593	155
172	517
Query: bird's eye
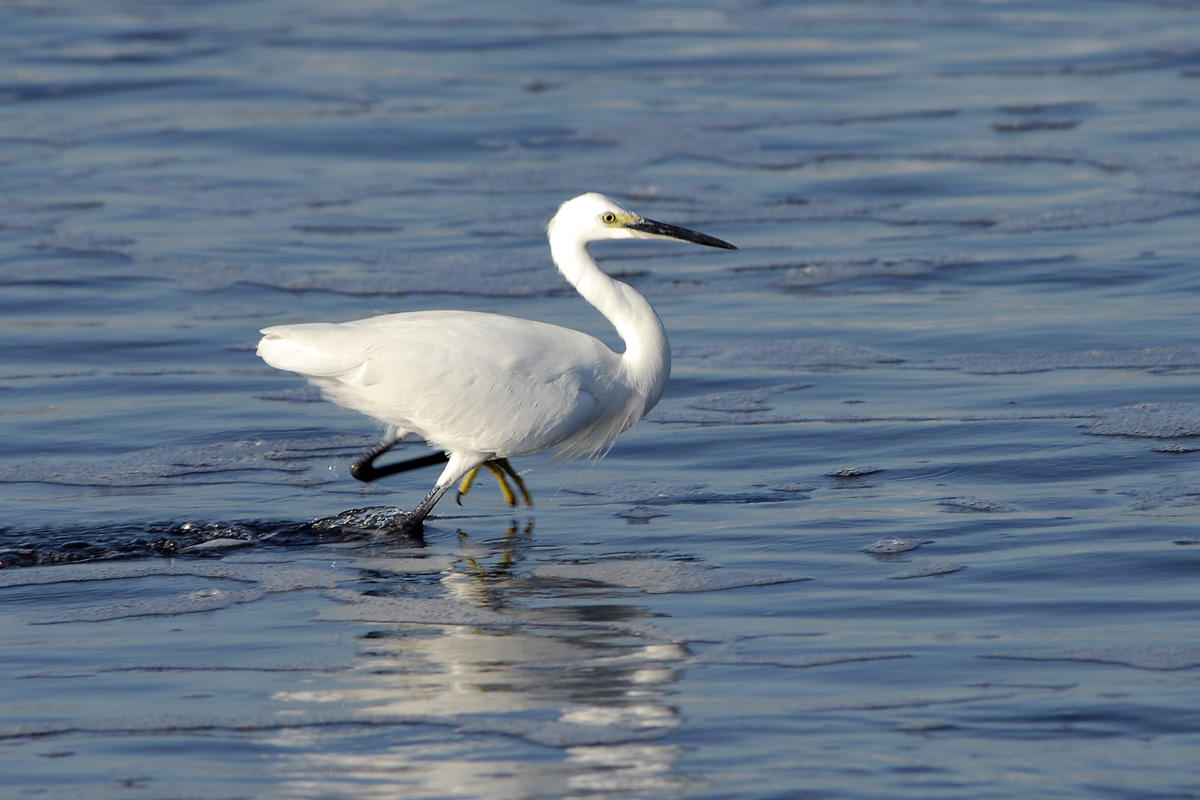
608	218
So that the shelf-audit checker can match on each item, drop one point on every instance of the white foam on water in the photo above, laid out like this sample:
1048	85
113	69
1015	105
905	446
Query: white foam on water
416	610
1155	497
790	354
640	515
892	545
976	505
194	602
1148	358
928	571
744	401
1151	420
255	578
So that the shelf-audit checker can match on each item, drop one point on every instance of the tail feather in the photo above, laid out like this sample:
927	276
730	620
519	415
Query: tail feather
311	350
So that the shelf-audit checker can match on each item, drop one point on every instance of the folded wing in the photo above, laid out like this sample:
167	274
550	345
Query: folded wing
464	381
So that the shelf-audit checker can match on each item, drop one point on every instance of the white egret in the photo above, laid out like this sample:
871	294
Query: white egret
483	387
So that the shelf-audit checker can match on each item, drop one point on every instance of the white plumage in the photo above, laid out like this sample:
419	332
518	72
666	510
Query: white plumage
483	387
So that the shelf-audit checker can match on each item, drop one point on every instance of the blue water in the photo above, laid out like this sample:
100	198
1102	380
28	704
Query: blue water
915	519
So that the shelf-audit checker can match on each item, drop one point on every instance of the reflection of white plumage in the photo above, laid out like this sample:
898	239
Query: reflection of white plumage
484	387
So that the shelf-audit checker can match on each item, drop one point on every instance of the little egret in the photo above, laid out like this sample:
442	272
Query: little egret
484	387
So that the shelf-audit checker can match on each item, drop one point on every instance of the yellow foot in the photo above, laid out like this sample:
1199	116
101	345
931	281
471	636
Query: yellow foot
503	471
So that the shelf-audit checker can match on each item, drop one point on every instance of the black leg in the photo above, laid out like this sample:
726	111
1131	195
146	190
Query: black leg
365	470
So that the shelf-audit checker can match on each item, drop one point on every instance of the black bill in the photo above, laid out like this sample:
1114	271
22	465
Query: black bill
675	232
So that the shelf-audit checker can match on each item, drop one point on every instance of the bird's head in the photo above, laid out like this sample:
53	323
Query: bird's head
592	217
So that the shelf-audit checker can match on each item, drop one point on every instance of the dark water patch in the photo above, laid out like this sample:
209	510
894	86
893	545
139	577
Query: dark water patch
1035	109
83	90
1028	125
33	205
93	543
885	116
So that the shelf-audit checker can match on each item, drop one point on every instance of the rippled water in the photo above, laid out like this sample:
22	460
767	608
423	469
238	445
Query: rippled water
916	518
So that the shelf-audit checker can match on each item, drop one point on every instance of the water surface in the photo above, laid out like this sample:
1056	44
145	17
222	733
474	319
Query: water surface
916	517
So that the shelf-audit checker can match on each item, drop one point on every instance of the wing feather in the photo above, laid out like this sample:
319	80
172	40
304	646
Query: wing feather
461	380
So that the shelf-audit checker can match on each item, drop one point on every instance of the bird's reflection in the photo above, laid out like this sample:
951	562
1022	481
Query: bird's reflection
470	709
491	565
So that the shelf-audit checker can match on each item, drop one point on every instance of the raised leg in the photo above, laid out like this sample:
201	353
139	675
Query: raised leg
365	470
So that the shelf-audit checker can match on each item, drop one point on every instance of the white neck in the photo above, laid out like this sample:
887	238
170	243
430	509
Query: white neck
647	357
